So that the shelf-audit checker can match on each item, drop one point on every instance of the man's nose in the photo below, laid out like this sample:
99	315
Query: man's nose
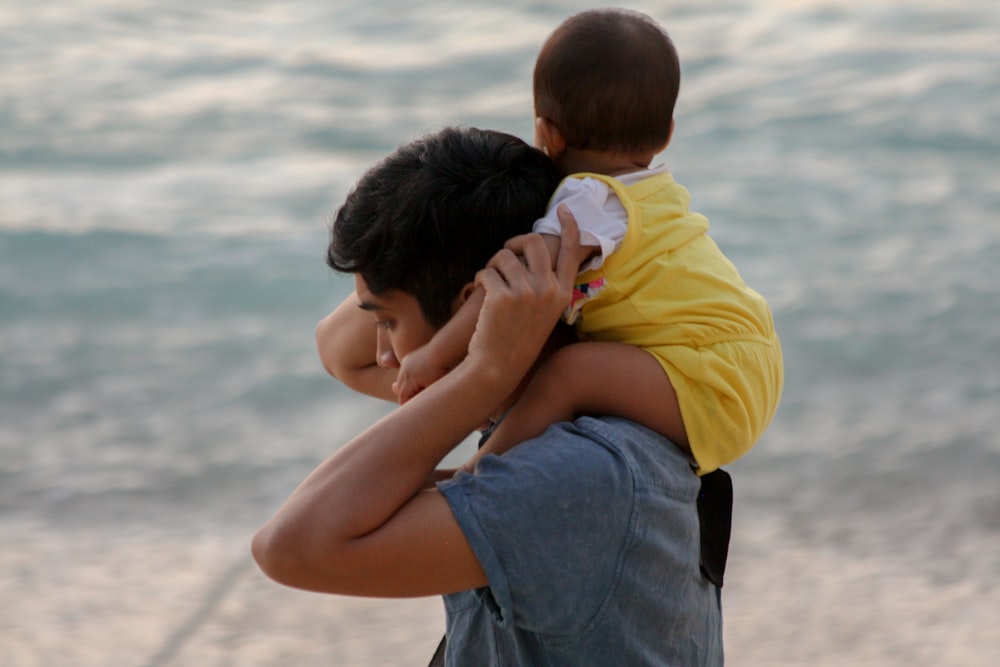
385	357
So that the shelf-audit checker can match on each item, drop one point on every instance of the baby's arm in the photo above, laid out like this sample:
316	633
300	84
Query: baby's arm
423	366
346	343
596	379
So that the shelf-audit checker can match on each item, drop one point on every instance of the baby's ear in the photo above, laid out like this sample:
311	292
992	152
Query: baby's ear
670	136
549	138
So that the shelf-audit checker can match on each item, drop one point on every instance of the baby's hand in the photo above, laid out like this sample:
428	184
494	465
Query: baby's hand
417	371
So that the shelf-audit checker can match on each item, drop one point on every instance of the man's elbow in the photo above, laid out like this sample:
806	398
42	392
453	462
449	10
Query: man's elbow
291	561
323	347
339	367
281	557
272	557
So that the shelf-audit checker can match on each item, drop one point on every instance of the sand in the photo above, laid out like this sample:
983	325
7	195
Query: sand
103	599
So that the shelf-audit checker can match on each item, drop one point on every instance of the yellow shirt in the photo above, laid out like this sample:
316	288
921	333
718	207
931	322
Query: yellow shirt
670	290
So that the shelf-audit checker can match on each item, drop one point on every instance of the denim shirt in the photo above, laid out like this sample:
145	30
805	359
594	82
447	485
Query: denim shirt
589	539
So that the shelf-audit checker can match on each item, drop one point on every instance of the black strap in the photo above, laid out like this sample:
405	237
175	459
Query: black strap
715	514
438	659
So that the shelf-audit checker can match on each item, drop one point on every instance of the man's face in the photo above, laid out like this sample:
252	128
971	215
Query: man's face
400	324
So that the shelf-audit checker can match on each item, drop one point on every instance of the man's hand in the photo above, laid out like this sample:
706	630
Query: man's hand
524	297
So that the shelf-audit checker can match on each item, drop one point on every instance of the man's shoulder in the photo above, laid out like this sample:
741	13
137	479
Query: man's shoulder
651	458
573	462
588	461
604	451
566	450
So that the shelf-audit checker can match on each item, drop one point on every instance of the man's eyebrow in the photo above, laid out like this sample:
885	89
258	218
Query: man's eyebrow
370	306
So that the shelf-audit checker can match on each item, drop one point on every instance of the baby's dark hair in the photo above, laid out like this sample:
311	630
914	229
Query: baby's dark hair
608	79
428	217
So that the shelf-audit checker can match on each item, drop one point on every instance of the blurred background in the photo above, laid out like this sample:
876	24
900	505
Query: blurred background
167	174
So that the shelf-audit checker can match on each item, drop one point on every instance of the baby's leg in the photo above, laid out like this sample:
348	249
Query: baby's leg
595	379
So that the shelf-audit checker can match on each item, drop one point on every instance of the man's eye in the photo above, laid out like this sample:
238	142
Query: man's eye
385	324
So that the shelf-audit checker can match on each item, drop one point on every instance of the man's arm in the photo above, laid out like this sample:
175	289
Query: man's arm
360	524
346	343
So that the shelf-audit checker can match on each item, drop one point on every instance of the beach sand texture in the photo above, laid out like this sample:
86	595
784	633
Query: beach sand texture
163	602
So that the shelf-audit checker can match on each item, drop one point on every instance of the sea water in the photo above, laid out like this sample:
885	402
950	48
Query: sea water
167	175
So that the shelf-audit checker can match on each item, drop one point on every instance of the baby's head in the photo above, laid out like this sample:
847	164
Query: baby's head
608	80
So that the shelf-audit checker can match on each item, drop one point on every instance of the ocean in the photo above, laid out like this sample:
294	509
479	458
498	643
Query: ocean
167	175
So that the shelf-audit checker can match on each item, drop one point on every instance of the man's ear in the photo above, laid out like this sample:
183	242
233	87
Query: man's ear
550	138
463	296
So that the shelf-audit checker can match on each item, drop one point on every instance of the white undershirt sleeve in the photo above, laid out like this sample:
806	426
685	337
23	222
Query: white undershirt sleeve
601	217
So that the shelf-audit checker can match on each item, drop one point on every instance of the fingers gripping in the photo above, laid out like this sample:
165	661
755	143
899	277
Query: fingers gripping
569	248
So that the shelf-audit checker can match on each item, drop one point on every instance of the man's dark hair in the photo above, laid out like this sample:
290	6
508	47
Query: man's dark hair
429	216
609	79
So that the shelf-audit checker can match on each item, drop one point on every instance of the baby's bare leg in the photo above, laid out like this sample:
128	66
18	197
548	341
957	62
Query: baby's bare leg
594	379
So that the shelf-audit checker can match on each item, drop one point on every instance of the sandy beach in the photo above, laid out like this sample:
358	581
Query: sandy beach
166	601
160	602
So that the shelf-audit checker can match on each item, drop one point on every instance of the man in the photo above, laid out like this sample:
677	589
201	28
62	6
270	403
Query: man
580	547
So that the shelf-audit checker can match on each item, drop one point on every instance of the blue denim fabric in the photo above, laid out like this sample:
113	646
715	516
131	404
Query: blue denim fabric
589	538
